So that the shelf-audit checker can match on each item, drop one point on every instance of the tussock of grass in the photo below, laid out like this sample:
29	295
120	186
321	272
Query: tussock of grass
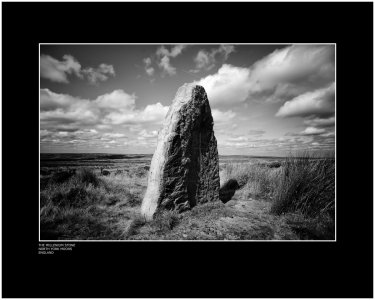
255	180
303	185
87	176
307	186
60	177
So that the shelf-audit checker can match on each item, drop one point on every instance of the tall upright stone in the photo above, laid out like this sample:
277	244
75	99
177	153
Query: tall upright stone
185	166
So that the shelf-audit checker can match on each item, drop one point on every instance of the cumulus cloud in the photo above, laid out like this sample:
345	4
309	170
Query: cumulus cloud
278	77
318	103
173	52
229	86
116	100
61	109
58	71
293	70
102	73
153	113
163	58
109	119
166	65
207	59
52	101
115	108
149	70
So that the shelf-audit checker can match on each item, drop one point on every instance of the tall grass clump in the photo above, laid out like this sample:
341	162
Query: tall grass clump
307	186
255	180
87	176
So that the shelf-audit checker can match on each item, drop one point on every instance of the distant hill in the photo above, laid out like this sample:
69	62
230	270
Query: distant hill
88	156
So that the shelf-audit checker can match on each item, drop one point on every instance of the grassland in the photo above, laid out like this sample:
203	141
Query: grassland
277	199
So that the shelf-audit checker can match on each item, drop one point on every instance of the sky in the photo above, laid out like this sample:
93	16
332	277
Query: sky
267	100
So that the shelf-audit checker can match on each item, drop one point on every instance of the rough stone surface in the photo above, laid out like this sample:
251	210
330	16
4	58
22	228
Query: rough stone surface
184	169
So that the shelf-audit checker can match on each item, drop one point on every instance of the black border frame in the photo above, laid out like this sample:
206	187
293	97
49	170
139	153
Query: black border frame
169	269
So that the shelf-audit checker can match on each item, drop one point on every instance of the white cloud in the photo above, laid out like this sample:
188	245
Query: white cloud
114	108
102	73
116	100
51	101
144	134
58	71
55	70
207	60
280	76
153	113
320	122
203	60
312	131
320	102
300	66
163	58
229	86
166	65
149	70
63	109
238	139
173	52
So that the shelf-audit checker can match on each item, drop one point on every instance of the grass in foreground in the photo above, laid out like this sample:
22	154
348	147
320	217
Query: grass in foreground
307	186
88	206
276	200
302	189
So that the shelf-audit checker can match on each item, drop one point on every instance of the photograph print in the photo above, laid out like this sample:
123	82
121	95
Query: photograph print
187	142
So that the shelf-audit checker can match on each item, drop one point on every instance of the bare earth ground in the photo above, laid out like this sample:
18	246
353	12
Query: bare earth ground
242	218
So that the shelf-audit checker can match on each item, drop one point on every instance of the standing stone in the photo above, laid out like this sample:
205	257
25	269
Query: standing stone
185	167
